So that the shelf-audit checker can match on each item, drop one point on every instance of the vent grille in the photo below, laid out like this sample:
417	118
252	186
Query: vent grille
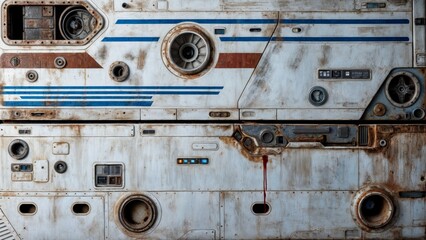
6	230
363	136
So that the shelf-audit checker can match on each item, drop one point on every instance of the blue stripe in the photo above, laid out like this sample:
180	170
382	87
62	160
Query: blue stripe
130	39
341	39
245	39
109	92
345	21
115	88
85	97
200	21
77	104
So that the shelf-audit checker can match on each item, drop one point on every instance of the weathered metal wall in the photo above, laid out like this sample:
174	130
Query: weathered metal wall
312	119
312	187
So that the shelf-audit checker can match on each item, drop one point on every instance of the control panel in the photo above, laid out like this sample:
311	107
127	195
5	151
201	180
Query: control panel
344	74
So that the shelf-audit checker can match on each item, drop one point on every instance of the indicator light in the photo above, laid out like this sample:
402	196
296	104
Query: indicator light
204	161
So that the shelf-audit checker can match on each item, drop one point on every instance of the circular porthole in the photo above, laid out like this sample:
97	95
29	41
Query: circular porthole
187	51
373	209
76	23
318	96
402	89
137	213
267	137
18	149
119	71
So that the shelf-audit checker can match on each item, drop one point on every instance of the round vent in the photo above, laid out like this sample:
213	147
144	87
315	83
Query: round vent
137	213
187	51
76	23
402	89
373	209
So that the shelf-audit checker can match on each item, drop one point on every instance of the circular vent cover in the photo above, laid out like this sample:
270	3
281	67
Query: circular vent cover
373	209
402	89
137	214
187	51
76	23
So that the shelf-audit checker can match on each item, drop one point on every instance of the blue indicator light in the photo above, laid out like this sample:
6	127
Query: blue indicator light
185	161
192	161
204	161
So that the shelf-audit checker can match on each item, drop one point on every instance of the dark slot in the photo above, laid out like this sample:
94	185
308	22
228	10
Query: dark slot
412	194
260	208
255	29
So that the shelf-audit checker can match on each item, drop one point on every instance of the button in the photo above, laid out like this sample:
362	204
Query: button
204	161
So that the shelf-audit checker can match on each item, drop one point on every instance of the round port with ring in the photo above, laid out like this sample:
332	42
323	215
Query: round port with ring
267	136
418	113
318	96
18	149
76	23
187	51
137	213
373	209
60	62
119	71
60	167
32	76
402	89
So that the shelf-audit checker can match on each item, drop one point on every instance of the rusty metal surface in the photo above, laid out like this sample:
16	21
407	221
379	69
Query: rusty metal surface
238	60
47	60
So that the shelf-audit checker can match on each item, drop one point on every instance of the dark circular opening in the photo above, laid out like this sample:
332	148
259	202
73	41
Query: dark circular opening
188	52
267	137
376	210
27	208
118	71
81	208
18	149
74	25
60	167
318	96
247	142
419	113
138	214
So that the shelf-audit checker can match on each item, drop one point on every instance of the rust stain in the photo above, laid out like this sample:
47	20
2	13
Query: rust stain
299	57
398	169
47	60
232	142
141	59
238	60
325	55
103	52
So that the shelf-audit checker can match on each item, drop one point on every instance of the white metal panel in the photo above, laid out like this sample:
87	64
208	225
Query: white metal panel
54	217
77	130
181	213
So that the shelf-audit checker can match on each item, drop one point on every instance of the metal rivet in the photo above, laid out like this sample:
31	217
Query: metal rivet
379	109
60	62
15	61
32	76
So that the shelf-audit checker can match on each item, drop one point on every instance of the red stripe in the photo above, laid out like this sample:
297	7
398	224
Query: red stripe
238	60
47	60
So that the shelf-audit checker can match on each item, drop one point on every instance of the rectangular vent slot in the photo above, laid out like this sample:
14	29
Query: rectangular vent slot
363	136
